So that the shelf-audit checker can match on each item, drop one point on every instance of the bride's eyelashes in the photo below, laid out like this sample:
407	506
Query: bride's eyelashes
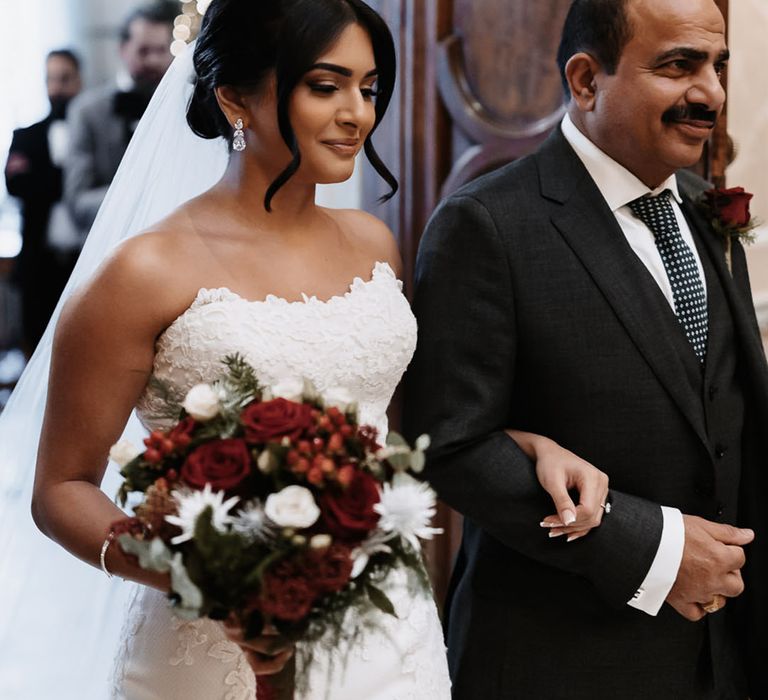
367	91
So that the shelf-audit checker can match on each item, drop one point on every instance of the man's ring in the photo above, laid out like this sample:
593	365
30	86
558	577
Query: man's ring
714	605
606	507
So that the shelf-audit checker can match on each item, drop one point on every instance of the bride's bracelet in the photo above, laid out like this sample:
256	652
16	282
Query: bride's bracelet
103	554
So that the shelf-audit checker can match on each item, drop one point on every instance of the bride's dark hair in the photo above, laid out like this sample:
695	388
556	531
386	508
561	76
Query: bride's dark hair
242	42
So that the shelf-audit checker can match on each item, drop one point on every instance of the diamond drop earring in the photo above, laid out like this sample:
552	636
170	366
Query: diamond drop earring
238	141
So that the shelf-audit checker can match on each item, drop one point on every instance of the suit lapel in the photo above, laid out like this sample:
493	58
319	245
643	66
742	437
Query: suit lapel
741	312
590	229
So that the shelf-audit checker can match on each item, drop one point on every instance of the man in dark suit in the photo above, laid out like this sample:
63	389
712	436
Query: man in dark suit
582	294
33	174
102	120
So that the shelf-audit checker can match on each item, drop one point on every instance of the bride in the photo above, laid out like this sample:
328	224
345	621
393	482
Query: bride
251	265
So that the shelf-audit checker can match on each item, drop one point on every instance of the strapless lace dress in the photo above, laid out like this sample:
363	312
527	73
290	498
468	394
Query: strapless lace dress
362	341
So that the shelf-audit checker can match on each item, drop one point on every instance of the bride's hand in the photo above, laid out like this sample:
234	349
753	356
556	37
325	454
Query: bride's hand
267	653
558	471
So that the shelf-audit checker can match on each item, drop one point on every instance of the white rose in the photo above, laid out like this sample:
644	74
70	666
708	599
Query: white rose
338	396
123	452
202	402
290	389
294	506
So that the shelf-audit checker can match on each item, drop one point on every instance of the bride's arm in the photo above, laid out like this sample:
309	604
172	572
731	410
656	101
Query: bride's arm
102	357
560	471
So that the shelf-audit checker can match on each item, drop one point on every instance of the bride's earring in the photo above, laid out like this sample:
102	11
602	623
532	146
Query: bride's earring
238	141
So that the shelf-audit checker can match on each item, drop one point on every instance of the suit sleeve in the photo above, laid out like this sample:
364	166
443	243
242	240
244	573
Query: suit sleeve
81	193
19	184
460	390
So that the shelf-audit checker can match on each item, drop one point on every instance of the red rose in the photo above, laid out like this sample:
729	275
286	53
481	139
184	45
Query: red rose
286	594
273	420
731	205
221	463
329	569
348	512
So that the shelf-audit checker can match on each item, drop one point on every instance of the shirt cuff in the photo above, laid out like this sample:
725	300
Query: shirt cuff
662	575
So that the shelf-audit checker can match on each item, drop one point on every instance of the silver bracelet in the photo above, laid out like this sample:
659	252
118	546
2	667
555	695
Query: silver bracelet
102	555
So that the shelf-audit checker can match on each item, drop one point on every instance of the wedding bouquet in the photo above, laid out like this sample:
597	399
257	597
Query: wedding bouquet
273	506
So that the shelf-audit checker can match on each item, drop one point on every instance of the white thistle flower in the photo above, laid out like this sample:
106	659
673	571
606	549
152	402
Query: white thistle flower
406	509
191	506
252	523
373	545
423	442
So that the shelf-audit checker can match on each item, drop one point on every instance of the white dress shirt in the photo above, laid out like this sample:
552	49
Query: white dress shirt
619	187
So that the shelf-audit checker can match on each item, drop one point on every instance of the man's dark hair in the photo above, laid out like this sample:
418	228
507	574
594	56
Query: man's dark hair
600	28
67	54
163	12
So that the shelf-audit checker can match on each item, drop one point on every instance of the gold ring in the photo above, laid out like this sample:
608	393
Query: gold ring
714	605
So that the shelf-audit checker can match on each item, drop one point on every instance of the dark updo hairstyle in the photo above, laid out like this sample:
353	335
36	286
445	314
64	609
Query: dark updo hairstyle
242	42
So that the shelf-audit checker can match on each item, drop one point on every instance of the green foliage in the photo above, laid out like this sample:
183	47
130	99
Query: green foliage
153	554
380	600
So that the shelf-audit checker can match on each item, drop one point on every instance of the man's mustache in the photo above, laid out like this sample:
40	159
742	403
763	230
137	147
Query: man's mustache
688	113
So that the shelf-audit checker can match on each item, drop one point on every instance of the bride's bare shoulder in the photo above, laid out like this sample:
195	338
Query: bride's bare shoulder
369	233
155	271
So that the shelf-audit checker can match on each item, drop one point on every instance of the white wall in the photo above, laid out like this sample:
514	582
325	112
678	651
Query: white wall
748	125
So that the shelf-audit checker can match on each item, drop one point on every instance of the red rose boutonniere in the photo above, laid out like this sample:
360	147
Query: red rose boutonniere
728	212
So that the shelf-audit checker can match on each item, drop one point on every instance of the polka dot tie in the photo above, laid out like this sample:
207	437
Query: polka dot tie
683	273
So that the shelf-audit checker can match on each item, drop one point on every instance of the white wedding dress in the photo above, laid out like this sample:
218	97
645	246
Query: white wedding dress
362	341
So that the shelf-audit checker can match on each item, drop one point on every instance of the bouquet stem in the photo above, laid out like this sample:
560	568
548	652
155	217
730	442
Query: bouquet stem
278	686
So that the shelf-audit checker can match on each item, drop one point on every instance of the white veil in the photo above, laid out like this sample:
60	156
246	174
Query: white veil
60	619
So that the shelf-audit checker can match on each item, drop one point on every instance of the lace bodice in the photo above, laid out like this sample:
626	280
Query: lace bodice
361	341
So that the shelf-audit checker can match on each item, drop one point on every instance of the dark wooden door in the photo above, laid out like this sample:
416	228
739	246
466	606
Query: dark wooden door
477	87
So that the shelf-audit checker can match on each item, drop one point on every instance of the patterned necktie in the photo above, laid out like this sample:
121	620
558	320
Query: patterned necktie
679	262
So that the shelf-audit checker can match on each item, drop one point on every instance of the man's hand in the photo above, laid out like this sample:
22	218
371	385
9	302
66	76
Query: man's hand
712	560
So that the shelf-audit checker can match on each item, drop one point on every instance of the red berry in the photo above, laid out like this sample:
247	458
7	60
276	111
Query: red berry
346	430
346	474
318	444
292	457
153	455
304	446
335	442
328	466
315	476
302	466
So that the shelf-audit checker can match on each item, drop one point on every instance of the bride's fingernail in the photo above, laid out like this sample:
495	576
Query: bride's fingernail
546	524
556	534
569	517
571	538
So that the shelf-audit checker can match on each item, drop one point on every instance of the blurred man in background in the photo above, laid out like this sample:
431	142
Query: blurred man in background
33	173
102	120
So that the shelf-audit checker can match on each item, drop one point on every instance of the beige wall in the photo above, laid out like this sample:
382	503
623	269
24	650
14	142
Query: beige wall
748	125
